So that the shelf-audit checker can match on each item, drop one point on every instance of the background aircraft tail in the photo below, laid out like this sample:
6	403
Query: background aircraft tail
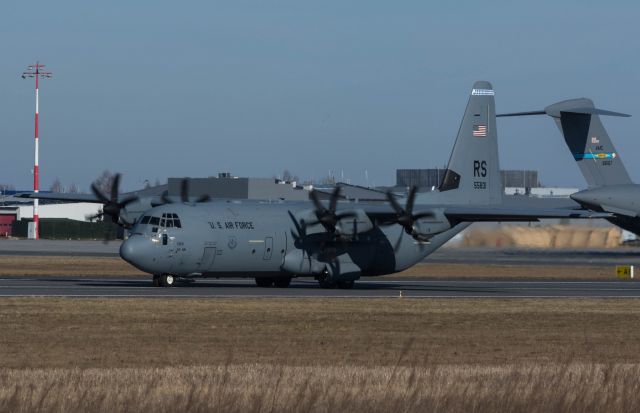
590	145
473	172
588	141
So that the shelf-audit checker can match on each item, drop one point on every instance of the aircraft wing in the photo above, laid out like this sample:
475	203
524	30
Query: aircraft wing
61	197
463	213
479	213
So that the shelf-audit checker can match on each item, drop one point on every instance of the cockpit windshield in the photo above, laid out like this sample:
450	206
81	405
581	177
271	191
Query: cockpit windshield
167	220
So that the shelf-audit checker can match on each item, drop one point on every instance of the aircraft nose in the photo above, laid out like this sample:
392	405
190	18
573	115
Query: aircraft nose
131	248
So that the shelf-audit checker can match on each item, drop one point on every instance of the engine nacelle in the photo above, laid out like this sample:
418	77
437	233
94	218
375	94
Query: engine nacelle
298	262
426	228
357	224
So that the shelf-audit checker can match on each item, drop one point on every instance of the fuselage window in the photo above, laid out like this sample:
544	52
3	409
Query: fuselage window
176	222
145	219
154	221
169	223
162	222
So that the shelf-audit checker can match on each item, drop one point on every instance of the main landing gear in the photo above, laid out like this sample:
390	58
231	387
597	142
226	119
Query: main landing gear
278	282
326	282
163	280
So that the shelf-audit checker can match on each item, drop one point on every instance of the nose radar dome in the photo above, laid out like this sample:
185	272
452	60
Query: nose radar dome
127	250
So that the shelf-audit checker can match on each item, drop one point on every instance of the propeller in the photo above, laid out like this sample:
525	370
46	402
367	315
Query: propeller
301	228
328	217
184	194
405	216
111	206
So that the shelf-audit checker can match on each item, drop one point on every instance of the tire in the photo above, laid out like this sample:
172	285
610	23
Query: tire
282	282
346	285
167	280
326	283
156	280
264	282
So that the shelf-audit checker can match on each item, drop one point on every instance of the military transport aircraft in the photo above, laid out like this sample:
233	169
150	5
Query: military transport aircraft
335	242
610	189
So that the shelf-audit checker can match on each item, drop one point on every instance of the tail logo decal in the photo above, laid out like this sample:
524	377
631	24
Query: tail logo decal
601	155
482	92
480	131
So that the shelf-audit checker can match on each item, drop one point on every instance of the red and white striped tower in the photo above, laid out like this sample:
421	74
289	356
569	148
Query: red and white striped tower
35	71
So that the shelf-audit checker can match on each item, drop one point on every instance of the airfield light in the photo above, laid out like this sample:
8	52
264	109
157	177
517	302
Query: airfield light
37	72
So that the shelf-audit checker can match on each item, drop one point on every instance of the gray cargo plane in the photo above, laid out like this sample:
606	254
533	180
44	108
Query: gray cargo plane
334	242
610	189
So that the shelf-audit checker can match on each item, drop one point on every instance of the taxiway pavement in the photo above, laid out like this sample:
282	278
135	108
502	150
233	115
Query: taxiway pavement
505	256
307	288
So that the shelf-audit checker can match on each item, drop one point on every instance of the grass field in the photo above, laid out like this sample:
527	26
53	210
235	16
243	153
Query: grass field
319	355
116	267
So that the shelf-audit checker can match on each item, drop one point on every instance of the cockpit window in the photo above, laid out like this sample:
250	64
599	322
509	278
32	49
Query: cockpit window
168	220
145	219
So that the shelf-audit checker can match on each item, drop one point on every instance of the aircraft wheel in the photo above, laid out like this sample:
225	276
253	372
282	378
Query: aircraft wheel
167	280
282	282
156	280
264	281
326	283
346	285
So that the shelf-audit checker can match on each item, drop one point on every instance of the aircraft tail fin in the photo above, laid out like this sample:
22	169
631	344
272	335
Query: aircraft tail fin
587	139
473	172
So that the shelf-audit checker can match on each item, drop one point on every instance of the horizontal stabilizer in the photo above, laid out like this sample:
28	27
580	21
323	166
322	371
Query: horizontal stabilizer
582	106
535	112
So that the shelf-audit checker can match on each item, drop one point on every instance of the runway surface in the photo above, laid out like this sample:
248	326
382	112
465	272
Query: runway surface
511	256
307	288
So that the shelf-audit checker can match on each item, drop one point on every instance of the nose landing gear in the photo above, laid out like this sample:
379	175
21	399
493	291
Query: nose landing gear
163	280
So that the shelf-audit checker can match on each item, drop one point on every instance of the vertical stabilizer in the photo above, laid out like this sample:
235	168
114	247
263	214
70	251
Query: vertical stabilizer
473	172
588	141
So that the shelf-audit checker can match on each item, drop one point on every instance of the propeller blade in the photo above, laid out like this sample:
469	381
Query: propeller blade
127	201
301	227
96	216
394	203
333	202
411	200
115	185
165	197
99	194
316	201
184	190
396	247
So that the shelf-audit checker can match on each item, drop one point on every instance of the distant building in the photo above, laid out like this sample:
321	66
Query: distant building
428	178
230	187
422	178
519	178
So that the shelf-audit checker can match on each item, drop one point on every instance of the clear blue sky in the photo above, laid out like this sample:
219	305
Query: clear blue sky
155	88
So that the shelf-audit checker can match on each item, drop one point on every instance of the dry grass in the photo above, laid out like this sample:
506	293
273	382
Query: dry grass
268	388
11	265
116	267
38	333
319	355
491	271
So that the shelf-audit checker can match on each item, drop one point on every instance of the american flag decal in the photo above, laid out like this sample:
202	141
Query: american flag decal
480	130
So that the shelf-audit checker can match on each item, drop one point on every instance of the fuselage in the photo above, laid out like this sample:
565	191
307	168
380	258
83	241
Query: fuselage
622	200
250	239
